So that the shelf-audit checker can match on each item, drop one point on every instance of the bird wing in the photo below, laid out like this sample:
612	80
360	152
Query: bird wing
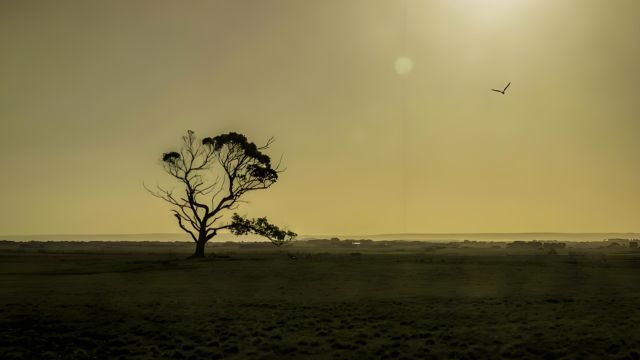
500	91
505	88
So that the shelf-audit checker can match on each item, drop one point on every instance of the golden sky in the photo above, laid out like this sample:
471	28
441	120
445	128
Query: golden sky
381	108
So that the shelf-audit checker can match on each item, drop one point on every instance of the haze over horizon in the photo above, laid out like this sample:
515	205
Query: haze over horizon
382	110
440	237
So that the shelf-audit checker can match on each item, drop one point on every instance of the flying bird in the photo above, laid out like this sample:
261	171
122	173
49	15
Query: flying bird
502	91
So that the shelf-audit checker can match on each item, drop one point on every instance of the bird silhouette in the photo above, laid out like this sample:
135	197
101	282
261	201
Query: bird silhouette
502	91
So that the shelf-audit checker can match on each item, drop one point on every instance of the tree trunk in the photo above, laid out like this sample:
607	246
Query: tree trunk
202	241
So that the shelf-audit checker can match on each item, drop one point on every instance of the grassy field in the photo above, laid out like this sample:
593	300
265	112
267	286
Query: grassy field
324	304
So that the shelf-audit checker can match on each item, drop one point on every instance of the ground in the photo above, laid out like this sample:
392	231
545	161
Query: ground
324	304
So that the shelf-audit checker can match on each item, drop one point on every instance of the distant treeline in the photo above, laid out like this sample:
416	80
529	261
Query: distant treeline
518	244
368	243
329	243
535	244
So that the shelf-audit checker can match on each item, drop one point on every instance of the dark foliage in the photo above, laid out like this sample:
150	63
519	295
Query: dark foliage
170	157
260	226
233	139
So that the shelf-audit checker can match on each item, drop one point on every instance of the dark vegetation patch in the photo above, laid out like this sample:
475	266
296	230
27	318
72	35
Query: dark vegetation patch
325	307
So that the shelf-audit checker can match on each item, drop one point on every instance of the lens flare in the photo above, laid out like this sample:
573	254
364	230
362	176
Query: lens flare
403	65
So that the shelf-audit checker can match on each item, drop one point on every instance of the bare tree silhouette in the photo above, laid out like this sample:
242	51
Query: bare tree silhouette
241	166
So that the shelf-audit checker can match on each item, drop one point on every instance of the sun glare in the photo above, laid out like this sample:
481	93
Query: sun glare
486	9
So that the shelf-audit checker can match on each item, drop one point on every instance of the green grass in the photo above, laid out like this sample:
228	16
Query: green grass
464	303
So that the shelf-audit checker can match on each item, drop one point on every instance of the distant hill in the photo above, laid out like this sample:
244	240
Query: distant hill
485	236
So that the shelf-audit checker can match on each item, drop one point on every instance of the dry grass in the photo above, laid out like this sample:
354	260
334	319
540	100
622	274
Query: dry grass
257	305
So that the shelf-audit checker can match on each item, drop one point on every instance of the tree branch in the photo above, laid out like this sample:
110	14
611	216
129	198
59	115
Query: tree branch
183	227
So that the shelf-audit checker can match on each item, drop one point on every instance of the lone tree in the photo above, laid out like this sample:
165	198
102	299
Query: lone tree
214	174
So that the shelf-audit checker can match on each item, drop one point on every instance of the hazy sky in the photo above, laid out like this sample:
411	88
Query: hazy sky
92	93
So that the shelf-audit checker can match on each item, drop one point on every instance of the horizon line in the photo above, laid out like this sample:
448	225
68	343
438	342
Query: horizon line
336	234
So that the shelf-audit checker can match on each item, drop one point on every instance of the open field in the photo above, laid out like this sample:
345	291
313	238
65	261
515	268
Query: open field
390	303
